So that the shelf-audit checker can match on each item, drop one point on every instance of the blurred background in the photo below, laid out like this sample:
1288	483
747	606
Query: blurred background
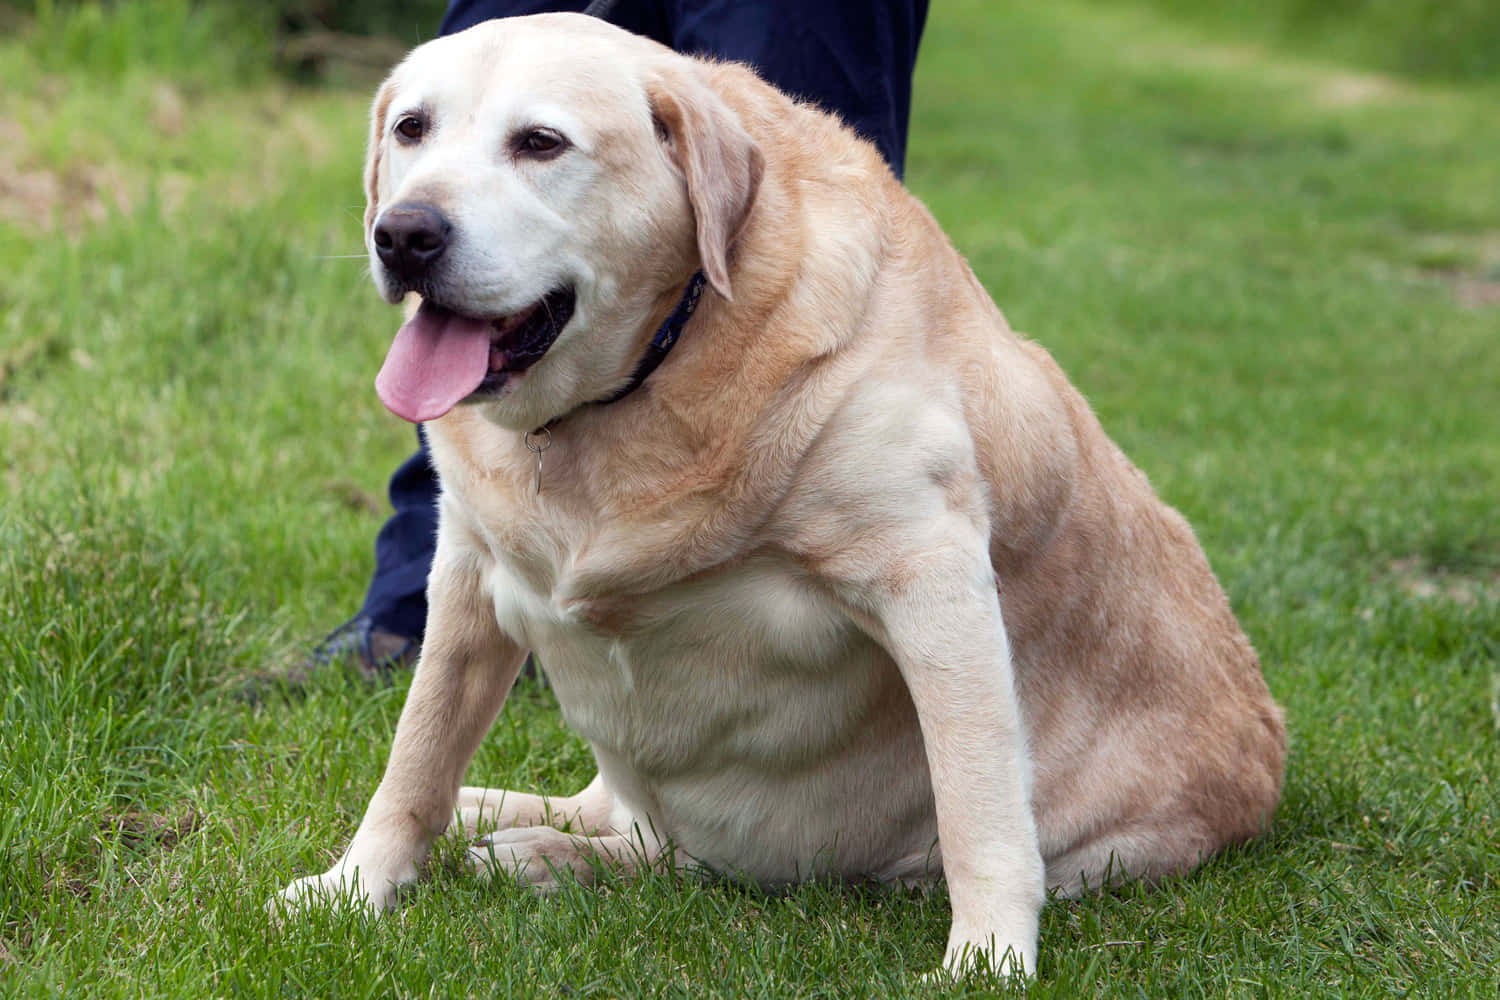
1262	238
320	39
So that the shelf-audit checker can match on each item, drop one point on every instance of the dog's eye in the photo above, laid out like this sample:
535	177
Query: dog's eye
410	128
540	142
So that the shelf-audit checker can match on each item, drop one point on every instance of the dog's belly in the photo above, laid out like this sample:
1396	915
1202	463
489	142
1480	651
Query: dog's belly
748	720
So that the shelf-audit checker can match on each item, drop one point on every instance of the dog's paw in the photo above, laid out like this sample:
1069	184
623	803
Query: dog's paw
535	856
337	887
968	958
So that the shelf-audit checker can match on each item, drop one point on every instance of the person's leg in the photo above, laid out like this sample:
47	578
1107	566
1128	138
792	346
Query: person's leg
852	57
396	600
387	632
463	14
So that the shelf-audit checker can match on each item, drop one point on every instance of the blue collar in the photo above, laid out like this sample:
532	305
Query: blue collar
656	353
665	338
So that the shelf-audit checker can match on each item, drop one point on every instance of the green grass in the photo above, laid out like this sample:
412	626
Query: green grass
1275	280
1441	39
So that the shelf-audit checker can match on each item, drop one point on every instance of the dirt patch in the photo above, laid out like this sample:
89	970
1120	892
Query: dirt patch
100	177
1477	293
1346	90
141	828
352	496
1468	264
168	109
42	200
29	357
46	199
1425	583
1325	85
72	883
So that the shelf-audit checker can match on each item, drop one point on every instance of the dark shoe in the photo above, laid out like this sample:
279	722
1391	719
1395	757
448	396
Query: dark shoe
375	652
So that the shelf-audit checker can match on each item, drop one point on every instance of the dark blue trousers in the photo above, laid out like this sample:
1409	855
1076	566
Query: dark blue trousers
852	57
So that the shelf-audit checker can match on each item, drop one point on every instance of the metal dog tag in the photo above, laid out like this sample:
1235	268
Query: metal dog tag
543	441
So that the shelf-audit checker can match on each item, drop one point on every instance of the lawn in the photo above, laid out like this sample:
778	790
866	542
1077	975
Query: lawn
1276	279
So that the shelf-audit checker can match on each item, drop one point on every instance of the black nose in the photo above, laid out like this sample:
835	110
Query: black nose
409	238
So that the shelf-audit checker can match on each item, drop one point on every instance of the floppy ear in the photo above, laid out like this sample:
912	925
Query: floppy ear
378	112
721	164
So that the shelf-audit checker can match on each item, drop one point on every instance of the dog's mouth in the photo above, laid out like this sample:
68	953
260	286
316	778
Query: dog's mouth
441	358
519	340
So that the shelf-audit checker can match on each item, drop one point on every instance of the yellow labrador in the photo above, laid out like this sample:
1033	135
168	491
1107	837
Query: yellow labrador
851	585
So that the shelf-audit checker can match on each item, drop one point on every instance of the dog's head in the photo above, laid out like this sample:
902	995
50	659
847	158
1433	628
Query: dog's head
548	185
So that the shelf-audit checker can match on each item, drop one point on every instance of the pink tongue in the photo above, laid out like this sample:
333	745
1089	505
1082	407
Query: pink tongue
437	359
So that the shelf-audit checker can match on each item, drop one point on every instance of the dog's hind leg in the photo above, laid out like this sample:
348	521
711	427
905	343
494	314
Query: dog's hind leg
483	809
1140	853
1180	831
539	856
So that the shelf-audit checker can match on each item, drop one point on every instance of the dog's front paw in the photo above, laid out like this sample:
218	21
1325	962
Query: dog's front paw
340	886
1006	959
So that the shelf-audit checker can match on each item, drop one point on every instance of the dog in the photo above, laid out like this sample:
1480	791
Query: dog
838	576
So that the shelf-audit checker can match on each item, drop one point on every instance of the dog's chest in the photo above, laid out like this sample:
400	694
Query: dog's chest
751	664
